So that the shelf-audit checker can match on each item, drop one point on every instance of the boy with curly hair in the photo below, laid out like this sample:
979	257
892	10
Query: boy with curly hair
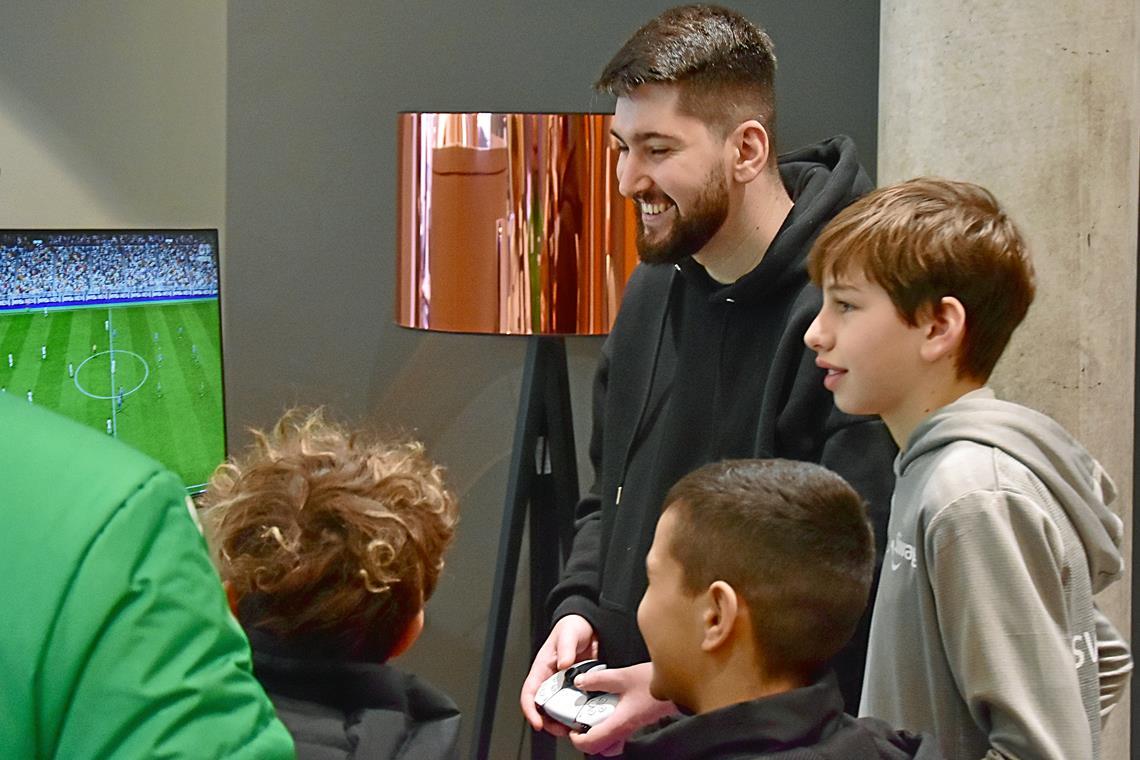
985	630
329	546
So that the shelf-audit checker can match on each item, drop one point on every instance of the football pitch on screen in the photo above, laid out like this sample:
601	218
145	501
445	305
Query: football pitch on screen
148	374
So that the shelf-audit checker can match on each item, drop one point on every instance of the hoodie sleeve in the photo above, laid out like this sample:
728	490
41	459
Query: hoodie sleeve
577	591
1114	662
995	563
147	660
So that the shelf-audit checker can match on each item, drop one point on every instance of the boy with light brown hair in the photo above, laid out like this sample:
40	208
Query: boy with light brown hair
330	545
984	630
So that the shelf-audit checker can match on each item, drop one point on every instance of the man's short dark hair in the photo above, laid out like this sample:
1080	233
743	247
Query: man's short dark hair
723	64
792	538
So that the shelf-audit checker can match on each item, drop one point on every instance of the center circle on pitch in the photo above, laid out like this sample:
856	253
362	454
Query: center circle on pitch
114	353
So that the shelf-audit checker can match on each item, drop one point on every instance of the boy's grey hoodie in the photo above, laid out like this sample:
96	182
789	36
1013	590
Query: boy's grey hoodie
984	631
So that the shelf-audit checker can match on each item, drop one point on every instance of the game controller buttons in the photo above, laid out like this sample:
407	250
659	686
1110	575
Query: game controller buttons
569	705
549	688
597	709
563	679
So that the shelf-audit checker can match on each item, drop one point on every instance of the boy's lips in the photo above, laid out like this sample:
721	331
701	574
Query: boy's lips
833	376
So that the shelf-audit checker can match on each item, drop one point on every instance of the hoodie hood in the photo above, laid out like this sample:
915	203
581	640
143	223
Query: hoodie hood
1076	480
822	180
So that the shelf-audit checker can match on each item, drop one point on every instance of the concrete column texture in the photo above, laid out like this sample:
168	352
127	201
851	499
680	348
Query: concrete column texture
1038	101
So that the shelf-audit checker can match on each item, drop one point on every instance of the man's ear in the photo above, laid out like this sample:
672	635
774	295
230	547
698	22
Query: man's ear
720	615
944	328
409	636
751	148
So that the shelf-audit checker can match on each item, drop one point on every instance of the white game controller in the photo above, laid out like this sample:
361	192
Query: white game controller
569	705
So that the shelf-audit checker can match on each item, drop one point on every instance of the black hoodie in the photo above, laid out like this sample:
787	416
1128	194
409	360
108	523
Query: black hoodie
693	372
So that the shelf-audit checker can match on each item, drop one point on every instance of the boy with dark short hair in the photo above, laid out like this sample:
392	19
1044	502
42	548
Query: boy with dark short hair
758	574
985	631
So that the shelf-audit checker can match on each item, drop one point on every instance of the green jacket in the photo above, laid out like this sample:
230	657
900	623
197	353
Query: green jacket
116	641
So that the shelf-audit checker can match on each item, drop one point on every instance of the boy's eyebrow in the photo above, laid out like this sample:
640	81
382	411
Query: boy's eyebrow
839	287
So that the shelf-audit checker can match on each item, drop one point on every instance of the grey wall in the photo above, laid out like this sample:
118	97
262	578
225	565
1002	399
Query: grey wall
312	94
951	85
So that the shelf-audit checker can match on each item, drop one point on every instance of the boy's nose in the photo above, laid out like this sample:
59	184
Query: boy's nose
814	337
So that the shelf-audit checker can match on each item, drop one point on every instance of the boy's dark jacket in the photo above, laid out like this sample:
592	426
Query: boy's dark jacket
694	372
353	710
802	724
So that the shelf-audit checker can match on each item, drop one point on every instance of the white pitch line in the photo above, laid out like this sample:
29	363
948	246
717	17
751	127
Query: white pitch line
111	340
146	373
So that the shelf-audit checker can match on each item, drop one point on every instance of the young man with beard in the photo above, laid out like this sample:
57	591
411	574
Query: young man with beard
705	360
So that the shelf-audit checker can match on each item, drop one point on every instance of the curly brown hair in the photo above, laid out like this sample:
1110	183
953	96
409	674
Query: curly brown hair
328	538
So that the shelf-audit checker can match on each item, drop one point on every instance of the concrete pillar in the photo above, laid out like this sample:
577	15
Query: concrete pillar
1038	100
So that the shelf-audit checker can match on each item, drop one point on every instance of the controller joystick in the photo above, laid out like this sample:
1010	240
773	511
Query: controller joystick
569	705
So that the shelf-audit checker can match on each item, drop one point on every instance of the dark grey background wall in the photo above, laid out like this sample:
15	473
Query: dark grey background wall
313	90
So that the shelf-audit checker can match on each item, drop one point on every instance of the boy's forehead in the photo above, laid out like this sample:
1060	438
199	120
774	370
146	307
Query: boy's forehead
664	525
848	271
844	280
663	533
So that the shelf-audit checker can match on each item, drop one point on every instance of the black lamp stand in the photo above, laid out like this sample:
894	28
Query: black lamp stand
542	485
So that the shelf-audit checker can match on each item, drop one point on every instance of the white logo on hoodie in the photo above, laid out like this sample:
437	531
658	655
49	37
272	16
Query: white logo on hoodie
1085	642
901	552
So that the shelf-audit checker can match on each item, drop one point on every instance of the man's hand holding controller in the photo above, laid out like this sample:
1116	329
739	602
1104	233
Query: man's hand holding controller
571	640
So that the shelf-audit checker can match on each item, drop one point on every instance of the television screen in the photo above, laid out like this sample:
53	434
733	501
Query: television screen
120	330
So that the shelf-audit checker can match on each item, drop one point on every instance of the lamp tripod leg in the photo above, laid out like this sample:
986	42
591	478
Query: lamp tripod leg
543	482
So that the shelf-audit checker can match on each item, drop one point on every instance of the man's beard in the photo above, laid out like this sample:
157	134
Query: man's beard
689	232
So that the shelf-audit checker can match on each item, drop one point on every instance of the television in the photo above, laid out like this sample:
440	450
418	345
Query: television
120	330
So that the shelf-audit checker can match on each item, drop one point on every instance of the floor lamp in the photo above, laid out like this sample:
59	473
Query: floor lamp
511	224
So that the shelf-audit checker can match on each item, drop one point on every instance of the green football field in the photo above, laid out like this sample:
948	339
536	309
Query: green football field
149	373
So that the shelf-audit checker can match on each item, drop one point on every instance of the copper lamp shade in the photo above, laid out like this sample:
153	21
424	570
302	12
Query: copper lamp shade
511	223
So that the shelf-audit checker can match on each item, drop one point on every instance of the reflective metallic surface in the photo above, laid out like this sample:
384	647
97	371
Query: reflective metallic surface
511	223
